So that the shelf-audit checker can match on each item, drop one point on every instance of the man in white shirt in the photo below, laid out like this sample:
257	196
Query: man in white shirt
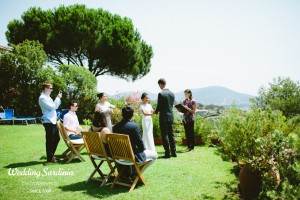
49	119
71	122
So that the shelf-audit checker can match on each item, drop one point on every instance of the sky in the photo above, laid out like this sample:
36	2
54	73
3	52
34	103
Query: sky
238	44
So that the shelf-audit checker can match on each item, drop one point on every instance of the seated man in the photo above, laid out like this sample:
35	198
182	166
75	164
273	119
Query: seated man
127	127
71	122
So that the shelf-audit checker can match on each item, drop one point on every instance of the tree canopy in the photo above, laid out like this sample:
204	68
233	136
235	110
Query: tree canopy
19	71
22	73
283	94
94	38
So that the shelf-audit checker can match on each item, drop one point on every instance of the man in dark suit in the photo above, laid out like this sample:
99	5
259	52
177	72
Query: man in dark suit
164	107
127	127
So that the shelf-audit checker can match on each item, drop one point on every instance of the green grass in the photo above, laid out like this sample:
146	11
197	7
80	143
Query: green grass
201	174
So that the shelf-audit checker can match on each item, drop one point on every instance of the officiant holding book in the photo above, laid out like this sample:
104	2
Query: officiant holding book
188	108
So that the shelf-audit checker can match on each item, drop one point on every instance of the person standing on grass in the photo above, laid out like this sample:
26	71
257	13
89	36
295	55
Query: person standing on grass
71	122
49	119
105	107
147	123
189	119
164	108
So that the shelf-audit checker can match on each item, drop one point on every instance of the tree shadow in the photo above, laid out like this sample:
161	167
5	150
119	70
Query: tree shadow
233	189
219	152
92	188
63	160
204	196
235	170
24	164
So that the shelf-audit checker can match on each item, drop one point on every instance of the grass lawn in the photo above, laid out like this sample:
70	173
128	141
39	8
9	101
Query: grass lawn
201	174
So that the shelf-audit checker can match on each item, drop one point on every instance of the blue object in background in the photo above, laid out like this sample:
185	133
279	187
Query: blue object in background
9	113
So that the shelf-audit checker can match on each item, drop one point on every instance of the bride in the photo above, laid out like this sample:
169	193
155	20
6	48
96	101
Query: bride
147	124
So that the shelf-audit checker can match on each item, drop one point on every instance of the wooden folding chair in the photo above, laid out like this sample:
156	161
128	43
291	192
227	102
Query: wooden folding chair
74	146
122	153
96	151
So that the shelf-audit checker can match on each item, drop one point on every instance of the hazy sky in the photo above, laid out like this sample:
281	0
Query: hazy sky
238	44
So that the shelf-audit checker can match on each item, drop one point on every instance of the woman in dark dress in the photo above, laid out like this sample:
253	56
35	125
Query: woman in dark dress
100	125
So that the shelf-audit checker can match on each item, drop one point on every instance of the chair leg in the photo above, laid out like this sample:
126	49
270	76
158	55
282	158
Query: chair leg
71	158
77	152
97	169
112	172
118	177
139	176
80	156
64	154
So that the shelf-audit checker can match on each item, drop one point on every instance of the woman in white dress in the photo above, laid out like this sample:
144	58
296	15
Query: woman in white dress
147	123
105	107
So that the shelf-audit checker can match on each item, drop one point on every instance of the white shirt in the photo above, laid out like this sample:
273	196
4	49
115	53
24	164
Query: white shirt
71	122
49	107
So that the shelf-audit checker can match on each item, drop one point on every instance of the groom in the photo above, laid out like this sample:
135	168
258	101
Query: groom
164	107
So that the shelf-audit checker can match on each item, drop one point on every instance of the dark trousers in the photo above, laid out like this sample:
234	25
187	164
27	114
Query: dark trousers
167	135
190	134
52	139
75	137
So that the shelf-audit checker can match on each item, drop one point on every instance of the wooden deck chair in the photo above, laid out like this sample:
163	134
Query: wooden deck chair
74	146
122	153
96	150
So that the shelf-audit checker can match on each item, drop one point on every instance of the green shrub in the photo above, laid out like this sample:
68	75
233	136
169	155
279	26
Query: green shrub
156	127
239	130
264	140
203	128
116	116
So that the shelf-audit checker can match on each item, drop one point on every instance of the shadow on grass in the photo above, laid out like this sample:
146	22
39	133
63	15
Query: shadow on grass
24	164
93	189
219	152
235	170
180	150
63	161
232	187
204	196
75	160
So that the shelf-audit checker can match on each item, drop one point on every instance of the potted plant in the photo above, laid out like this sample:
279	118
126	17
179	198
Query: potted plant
203	128
249	137
156	130
214	138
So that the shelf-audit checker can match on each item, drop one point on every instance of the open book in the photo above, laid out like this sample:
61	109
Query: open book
181	108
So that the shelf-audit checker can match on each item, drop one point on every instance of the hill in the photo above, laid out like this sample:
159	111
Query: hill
215	95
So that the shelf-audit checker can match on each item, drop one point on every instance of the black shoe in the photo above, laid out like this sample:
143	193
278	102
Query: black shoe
166	156
54	160
174	155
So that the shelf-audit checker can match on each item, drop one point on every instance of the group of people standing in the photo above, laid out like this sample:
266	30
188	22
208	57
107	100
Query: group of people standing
142	143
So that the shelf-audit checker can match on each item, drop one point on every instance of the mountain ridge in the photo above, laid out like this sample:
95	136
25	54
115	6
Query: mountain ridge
216	95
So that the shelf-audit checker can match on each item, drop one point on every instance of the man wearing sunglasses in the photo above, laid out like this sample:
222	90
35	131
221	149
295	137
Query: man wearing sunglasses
71	122
49	119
